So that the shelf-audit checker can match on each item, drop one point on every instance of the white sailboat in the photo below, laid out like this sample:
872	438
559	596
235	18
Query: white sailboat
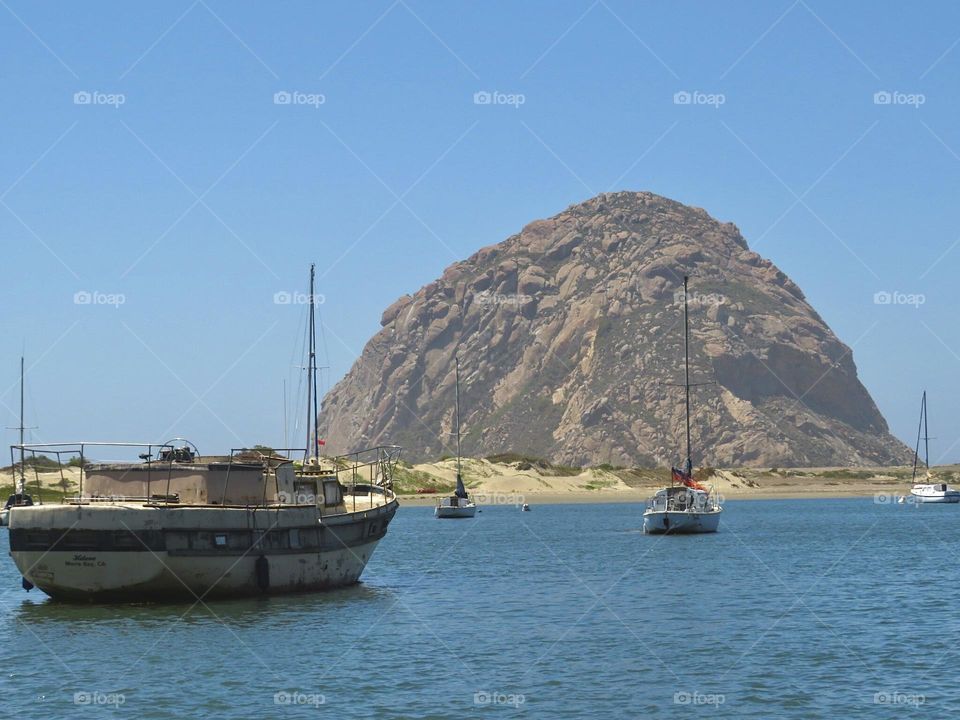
686	506
458	505
929	491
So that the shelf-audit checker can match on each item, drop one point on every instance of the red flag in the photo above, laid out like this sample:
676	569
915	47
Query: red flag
679	476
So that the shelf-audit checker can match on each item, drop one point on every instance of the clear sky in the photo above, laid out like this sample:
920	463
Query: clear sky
182	162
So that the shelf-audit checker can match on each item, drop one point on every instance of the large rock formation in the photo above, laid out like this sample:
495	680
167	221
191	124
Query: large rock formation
570	338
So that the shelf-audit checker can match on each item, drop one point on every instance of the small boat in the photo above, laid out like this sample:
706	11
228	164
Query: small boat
458	505
525	507
686	506
929	491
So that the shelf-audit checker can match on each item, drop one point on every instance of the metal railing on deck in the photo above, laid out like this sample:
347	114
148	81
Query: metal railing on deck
364	472
40	452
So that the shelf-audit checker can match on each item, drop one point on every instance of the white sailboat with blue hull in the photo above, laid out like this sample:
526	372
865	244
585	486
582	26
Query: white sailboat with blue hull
458	505
686	506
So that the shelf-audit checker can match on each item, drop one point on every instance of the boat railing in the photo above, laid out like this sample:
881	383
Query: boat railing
41	457
367	472
682	504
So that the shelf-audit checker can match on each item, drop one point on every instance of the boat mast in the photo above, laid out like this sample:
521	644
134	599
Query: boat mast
311	449
926	434
23	477
686	372
920	433
457	362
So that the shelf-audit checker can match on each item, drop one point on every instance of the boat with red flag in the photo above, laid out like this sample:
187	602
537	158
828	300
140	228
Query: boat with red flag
686	506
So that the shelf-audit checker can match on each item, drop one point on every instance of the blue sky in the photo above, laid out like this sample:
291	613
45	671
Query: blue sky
147	157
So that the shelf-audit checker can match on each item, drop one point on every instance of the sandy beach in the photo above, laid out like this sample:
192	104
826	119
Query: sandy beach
513	484
492	483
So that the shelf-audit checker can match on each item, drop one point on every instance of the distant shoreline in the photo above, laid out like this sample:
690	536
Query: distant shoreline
640	497
499	483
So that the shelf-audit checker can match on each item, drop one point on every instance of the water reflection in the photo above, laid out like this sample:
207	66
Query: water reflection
38	609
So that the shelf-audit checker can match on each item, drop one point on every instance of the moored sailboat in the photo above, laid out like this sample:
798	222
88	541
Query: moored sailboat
686	506
459	504
929	491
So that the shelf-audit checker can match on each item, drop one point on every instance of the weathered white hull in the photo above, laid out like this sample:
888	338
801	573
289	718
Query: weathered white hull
447	511
129	553
680	522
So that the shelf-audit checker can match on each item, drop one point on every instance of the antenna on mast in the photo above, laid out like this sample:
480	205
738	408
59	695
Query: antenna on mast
21	427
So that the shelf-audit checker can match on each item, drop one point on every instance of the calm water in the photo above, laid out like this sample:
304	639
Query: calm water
805	609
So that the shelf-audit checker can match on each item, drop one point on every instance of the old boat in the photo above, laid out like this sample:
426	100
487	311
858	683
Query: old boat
686	506
929	491
459	504
180	525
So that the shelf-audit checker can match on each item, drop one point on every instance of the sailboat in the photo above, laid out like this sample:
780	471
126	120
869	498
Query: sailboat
686	506
19	497
458	505
928	492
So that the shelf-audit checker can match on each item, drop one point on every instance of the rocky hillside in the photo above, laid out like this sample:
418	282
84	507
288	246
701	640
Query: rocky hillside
570	336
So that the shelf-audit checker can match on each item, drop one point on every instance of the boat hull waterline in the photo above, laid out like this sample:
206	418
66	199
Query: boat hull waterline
149	558
659	522
950	497
455	512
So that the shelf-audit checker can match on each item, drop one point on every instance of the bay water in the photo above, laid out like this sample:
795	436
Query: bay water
795	609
